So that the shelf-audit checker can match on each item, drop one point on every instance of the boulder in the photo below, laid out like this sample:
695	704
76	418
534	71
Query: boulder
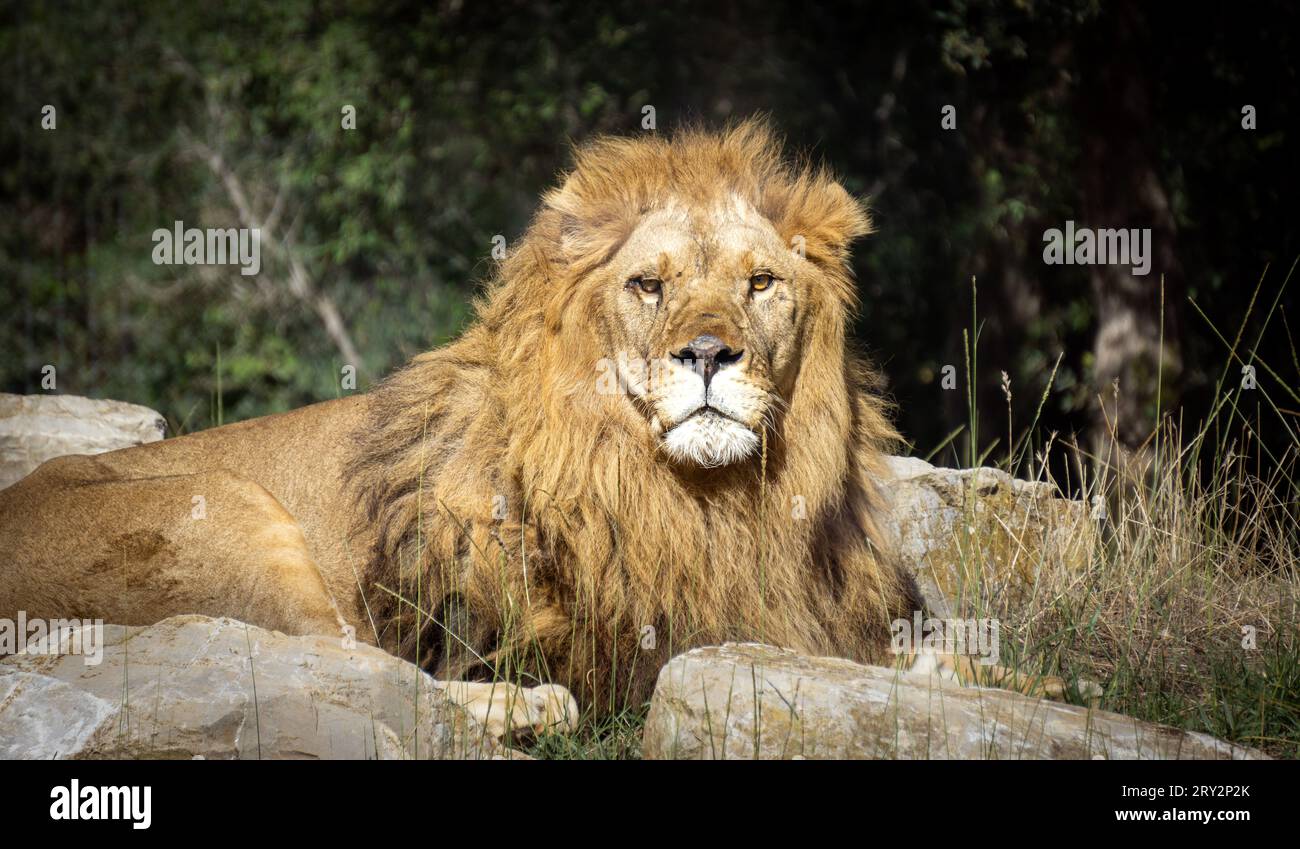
197	687
754	701
35	428
956	527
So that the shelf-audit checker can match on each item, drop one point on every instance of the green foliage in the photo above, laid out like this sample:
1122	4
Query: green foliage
464	114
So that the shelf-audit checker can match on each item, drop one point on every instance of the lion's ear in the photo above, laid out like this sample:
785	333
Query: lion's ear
587	230
817	213
577	236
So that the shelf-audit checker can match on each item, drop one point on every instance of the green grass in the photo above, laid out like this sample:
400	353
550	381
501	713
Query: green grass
617	737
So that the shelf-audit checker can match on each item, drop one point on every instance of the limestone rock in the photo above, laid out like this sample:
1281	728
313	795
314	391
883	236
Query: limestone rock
747	700
35	428
197	687
953	527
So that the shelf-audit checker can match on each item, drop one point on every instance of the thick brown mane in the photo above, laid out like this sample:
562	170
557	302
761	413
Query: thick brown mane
534	518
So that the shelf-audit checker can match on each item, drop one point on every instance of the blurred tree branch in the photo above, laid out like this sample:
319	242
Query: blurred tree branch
301	285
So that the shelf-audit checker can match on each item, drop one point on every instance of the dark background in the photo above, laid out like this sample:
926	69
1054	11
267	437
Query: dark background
1112	114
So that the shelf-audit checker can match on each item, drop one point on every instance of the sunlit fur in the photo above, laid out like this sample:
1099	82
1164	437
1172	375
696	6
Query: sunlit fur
603	534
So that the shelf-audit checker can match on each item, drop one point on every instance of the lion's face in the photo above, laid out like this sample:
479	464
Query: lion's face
702	305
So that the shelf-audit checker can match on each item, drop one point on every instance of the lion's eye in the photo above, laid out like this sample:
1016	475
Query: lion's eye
761	281
649	285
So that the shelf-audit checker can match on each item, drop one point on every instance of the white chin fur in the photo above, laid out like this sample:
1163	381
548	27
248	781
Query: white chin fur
710	440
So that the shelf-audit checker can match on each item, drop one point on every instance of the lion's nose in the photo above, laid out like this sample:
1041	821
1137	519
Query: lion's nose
707	354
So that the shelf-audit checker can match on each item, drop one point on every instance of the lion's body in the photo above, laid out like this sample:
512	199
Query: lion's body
488	508
576	539
234	521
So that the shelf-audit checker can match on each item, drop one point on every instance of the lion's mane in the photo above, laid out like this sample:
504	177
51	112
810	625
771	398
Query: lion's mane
526	524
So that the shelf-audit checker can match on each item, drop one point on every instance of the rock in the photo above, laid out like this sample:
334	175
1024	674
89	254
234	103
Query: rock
748	700
35	428
953	527
197	687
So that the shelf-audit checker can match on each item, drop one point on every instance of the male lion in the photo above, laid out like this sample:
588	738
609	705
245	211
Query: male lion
653	437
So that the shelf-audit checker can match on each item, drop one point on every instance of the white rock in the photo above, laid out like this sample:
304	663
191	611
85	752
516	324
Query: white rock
197	687
746	700
955	527
35	428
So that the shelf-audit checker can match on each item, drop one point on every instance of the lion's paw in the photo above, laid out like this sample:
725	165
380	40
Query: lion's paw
505	710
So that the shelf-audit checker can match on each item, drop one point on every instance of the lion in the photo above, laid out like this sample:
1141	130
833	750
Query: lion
653	436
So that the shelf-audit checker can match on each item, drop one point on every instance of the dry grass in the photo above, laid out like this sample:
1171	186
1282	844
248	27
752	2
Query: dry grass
1186	613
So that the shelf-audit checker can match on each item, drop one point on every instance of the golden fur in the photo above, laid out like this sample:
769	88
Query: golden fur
537	521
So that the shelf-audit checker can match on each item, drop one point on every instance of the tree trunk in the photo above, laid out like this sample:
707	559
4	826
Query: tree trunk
1121	188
